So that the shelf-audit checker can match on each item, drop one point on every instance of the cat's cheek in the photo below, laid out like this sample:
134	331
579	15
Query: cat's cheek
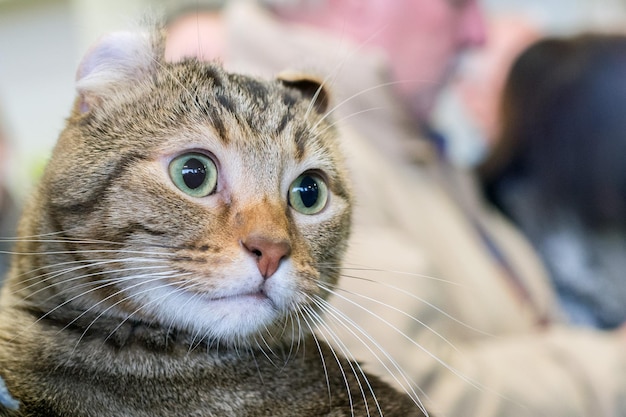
282	289
291	286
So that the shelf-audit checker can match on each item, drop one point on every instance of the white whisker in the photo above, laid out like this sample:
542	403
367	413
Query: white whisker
332	75
343	119
389	306
89	252
103	284
105	311
112	282
321	354
417	298
456	372
320	324
363	268
55	274
347	323
262	349
352	97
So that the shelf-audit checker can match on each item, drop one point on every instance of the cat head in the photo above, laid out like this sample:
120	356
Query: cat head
190	197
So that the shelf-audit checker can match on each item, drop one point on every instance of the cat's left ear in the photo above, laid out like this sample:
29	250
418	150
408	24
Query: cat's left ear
310	87
115	61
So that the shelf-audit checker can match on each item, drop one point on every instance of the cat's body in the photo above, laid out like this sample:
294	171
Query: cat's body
146	372
173	259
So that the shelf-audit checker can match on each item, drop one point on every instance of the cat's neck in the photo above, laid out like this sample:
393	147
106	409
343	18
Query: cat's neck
89	331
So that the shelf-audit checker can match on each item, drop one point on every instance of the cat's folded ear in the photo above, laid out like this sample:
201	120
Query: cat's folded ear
310	87
115	61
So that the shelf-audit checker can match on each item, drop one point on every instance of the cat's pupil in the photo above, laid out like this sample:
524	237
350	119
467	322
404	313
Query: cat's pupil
194	173
309	191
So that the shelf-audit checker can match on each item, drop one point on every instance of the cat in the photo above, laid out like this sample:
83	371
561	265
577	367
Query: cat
173	257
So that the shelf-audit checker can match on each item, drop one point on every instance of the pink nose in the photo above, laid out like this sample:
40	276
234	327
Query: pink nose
268	252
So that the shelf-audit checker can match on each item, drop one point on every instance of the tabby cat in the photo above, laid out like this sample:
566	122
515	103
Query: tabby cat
173	259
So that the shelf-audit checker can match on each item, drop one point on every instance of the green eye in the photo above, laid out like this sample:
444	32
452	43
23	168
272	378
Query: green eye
308	194
194	174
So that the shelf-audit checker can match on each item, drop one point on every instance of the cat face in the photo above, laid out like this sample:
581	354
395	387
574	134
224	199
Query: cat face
200	200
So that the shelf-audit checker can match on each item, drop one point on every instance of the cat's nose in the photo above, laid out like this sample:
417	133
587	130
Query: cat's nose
268	252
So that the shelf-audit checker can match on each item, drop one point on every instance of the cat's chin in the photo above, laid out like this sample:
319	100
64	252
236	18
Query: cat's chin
228	319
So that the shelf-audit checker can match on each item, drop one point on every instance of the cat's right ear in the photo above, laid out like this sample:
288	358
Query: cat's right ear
310	86
115	61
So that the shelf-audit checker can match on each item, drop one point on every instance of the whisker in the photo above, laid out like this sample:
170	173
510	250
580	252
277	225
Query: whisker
320	324
300	331
332	74
357	268
128	297
321	354
34	239
352	97
197	336
105	283
258	368
41	268
456	372
389	306
61	305
348	323
65	236
60	232
292	321
415	297
88	252
264	352
55	274
347	117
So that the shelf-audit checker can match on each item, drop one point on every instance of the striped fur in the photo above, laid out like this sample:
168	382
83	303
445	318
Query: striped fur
129	297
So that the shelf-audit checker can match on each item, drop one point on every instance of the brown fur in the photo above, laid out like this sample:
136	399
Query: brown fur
80	336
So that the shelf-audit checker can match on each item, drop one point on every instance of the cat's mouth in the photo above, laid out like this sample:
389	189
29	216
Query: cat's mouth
246	303
253	296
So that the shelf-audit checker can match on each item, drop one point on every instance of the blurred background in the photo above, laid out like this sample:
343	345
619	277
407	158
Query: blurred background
41	42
